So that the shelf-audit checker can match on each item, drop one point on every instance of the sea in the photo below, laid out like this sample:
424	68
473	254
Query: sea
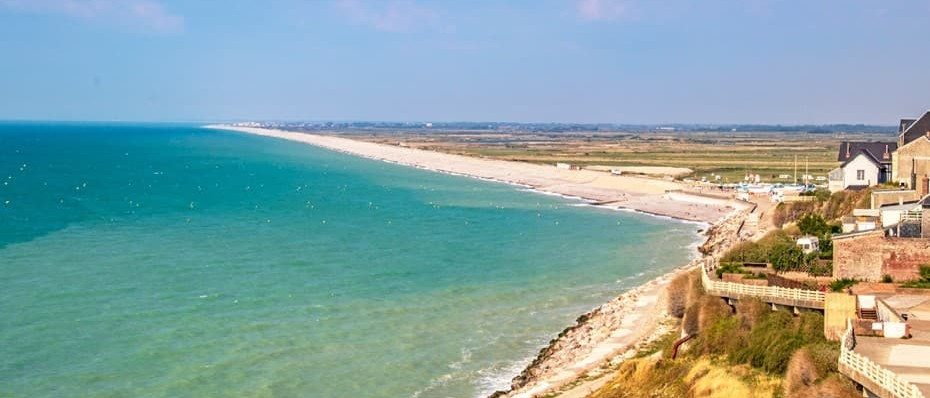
169	260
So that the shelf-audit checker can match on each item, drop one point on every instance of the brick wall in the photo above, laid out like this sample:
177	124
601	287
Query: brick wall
870	256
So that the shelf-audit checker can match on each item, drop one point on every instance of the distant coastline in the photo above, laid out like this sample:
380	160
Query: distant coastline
647	195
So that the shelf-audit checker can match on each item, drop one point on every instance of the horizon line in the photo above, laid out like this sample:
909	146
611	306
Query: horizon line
283	121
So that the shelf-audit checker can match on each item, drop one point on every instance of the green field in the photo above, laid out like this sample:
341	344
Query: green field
731	155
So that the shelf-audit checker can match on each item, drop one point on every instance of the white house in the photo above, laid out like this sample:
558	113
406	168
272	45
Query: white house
860	171
864	164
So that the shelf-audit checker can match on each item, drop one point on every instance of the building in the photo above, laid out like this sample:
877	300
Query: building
911	160
864	164
893	214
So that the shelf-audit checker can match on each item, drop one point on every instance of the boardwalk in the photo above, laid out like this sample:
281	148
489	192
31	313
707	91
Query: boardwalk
770	294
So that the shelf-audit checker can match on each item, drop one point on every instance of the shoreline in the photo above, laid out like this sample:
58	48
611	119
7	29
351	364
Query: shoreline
611	332
646	195
577	361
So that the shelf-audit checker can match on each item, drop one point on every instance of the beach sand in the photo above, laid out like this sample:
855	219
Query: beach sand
575	362
650	195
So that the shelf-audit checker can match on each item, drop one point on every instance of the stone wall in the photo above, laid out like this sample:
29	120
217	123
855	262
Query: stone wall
870	256
904	160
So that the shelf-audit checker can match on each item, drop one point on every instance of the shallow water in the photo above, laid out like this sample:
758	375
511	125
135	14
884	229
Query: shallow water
173	261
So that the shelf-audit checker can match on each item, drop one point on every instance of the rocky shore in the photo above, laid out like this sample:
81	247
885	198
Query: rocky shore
611	333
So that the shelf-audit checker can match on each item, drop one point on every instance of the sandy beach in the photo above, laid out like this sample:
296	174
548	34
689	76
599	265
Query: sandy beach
650	195
612	332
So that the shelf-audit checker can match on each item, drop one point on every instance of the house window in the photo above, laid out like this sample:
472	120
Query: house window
860	175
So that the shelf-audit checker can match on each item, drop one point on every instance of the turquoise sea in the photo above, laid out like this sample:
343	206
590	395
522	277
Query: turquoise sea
175	261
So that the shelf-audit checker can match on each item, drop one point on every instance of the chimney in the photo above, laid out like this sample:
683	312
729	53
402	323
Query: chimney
847	150
913	173
888	155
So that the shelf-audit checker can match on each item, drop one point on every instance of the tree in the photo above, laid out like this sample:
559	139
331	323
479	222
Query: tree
813	224
786	256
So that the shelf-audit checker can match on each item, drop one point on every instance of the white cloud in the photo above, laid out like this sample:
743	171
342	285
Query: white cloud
602	10
391	15
145	14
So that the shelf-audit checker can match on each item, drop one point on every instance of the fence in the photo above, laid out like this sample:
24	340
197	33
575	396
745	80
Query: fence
877	379
772	294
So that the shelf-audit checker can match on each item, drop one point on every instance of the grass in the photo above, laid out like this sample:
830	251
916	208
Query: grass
731	155
752	352
663	344
841	284
923	282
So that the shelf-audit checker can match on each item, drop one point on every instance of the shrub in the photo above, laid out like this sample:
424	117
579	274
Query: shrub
771	343
730	268
746	252
723	336
757	275
822	268
840	284
757	252
786	256
751	311
887	279
789	212
711	309
813	224
825	356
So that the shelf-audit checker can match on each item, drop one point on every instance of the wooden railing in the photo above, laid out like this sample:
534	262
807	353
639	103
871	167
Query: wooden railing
773	294
870	374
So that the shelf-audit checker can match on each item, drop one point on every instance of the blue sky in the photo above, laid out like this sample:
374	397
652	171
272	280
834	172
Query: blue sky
624	61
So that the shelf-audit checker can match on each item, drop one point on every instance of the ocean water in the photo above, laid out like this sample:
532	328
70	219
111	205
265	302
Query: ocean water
175	261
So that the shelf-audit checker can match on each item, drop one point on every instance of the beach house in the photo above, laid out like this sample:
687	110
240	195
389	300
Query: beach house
864	164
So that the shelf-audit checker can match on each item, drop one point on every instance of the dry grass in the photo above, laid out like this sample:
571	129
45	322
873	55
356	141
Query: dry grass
707	380
703	378
730	155
753	353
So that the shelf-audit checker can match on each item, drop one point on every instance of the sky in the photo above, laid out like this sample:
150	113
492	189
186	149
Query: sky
589	61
